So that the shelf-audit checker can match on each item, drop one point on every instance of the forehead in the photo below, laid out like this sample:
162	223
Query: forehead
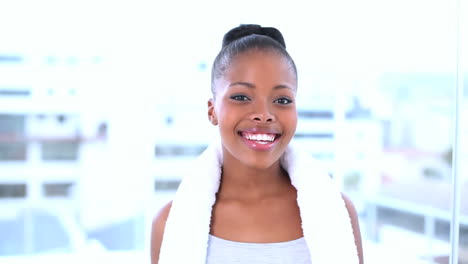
261	65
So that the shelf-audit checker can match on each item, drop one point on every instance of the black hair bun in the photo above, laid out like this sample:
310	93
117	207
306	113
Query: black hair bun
251	29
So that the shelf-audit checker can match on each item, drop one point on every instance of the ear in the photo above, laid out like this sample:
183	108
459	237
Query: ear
212	113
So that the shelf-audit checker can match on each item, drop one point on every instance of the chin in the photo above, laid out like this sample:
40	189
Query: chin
259	160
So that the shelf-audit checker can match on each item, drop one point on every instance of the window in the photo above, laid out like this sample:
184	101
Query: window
12	138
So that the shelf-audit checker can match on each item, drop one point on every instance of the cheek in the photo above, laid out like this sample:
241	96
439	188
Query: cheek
226	120
291	120
293	125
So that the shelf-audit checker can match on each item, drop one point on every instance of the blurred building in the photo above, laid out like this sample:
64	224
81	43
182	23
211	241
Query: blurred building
60	160
92	159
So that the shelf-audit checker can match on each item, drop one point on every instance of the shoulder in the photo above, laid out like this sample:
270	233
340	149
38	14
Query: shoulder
350	207
157	231
355	225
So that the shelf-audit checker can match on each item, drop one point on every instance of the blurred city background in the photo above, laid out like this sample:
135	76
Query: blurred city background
103	105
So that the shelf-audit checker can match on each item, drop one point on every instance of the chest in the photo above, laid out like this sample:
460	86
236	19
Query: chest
268	220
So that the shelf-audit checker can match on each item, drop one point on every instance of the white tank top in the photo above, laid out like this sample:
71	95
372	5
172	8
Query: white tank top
231	252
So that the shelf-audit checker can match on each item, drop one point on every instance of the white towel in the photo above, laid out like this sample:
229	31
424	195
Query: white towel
325	221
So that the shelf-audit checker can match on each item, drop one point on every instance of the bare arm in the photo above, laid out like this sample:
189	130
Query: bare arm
157	232
355	225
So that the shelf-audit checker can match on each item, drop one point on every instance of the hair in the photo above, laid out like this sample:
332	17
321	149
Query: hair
247	37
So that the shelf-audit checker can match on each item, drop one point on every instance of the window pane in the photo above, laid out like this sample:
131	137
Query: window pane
409	211
12	132
59	150
12	191
57	189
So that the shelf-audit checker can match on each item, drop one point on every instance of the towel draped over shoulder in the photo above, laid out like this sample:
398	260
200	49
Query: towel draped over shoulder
326	223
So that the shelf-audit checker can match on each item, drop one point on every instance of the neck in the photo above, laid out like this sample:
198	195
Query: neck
242	182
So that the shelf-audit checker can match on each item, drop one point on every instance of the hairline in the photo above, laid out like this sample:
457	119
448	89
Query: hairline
254	49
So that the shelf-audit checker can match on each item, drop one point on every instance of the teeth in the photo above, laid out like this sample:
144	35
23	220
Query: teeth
260	137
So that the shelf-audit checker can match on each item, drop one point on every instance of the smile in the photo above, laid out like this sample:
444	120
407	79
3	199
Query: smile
260	141
260	138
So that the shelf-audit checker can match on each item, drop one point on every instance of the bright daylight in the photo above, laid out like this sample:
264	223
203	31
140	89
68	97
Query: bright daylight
104	111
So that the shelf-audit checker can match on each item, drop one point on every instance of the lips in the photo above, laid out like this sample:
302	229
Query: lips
260	139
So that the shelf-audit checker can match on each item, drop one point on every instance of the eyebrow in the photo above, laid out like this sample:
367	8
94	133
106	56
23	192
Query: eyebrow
252	86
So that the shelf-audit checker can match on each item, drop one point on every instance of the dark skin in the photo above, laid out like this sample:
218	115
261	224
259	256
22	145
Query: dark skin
256	201
257	214
159	223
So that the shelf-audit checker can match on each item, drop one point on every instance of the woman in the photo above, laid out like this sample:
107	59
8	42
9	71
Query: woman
255	215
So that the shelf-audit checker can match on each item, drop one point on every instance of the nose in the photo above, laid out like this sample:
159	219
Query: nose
262	113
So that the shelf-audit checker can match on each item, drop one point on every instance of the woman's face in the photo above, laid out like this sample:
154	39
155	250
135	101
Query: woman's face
255	108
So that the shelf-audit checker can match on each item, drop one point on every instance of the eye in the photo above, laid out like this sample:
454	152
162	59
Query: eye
283	101
239	97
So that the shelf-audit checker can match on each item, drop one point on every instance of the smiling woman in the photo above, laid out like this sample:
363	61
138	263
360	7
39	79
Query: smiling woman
253	196
255	98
